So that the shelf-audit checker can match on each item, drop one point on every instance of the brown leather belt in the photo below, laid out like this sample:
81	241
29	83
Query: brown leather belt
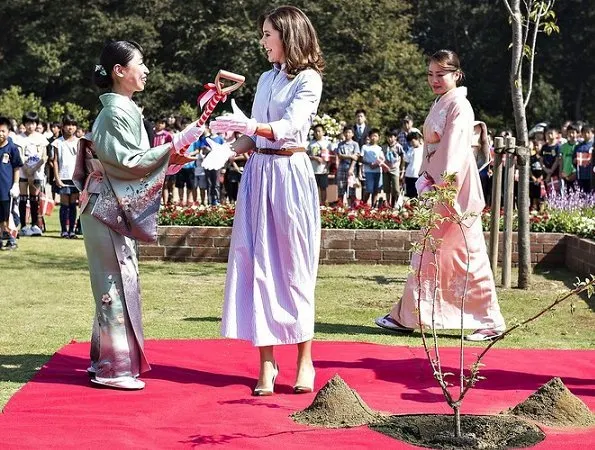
280	152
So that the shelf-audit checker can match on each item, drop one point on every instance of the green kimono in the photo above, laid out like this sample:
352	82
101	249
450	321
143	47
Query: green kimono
122	181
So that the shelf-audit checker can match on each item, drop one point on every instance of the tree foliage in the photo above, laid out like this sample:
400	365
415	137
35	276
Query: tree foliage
13	103
545	104
50	51
374	51
479	31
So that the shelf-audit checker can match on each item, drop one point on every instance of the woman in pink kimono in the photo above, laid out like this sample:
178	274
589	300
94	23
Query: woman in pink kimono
448	131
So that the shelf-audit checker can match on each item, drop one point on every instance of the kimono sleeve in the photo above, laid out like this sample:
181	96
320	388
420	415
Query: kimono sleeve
122	155
302	108
454	153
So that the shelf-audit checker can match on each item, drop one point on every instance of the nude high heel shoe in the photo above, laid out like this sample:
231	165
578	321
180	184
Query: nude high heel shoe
305	386
265	391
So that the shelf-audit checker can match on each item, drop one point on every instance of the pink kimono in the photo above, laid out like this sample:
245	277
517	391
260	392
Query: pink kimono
448	133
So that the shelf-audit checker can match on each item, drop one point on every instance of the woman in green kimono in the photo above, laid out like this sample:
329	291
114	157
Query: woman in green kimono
121	178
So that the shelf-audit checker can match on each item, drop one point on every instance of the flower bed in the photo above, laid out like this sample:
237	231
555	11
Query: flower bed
552	221
377	236
197	216
557	218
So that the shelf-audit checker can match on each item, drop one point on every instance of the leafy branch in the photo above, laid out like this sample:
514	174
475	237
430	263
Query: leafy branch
432	210
588	286
537	16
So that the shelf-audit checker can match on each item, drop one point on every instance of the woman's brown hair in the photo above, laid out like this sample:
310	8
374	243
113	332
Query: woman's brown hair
449	60
300	42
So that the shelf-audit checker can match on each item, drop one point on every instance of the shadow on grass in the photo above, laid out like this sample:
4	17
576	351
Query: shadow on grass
184	269
20	368
340	328
379	279
569	279
382	280
61	263
202	319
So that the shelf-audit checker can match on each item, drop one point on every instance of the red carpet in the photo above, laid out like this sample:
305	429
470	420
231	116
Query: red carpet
198	394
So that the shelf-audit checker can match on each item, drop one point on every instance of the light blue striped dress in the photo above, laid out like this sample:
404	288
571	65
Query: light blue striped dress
275	243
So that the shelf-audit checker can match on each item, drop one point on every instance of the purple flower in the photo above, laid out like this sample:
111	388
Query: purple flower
571	201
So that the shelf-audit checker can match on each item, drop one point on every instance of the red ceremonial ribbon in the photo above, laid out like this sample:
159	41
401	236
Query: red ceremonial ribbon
210	97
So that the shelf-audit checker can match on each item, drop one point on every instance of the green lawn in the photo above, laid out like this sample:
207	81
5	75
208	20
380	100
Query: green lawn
46	302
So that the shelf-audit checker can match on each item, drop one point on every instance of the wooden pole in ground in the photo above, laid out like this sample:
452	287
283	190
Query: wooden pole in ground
523	236
508	211
496	202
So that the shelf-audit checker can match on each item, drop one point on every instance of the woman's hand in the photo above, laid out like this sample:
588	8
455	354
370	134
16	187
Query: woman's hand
218	156
177	160
187	137
180	159
238	121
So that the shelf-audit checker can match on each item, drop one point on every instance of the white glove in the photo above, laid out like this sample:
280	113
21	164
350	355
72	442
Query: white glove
423	184
14	190
187	136
218	156
238	121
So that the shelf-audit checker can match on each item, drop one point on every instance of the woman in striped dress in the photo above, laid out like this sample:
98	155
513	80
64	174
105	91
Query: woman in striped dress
273	259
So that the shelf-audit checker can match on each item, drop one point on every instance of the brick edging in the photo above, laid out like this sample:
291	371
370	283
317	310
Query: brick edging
337	246
580	255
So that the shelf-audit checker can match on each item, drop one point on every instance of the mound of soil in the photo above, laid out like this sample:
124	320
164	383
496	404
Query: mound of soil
336	405
554	405
479	432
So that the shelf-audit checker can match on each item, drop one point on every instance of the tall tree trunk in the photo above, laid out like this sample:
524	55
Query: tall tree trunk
520	118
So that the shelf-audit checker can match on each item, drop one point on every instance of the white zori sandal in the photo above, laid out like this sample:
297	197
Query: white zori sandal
484	334
389	323
128	383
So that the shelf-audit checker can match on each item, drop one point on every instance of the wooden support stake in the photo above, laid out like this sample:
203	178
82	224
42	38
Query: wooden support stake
496	202
508	211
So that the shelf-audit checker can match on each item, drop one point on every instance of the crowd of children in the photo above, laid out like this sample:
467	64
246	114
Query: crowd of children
362	167
560	161
33	157
383	173
194	184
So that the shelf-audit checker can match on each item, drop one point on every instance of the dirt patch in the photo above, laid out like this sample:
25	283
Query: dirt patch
554	405
336	405
479	432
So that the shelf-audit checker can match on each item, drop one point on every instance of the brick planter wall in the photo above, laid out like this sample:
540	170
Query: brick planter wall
580	255
366	246
211	244
188	244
